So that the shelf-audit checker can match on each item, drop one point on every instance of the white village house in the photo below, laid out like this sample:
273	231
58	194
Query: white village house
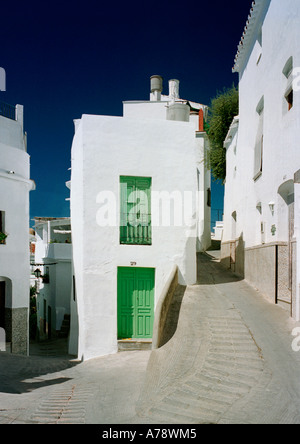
140	209
53	258
261	237
15	185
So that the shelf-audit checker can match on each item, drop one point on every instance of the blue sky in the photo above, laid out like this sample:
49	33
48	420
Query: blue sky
64	59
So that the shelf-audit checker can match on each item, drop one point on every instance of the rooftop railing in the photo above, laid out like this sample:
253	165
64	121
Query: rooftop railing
8	111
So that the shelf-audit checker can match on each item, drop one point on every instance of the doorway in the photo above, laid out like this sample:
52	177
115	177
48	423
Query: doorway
49	322
135	302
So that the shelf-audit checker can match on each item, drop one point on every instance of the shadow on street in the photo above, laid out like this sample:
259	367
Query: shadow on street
210	271
21	374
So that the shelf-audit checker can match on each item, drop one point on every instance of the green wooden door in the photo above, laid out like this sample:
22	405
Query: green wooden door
135	302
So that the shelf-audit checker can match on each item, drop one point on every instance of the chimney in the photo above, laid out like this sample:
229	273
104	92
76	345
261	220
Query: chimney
201	121
173	89
156	88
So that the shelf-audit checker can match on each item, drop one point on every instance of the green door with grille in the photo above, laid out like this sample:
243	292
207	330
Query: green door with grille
135	302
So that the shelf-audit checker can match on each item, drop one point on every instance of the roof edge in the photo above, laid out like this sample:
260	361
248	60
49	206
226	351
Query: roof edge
254	16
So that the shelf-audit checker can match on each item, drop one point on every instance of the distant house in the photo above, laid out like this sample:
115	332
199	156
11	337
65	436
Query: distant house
15	185
53	258
217	231
261	223
140	205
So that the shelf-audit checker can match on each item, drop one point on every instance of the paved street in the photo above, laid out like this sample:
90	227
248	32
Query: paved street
229	361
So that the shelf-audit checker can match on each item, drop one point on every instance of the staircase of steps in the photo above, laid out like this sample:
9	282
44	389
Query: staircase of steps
65	327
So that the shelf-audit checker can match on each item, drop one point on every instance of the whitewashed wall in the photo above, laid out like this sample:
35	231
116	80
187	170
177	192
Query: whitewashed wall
15	185
14	200
105	148
261	77
281	157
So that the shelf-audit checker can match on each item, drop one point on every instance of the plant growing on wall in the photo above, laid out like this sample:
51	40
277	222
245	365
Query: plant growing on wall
224	107
3	237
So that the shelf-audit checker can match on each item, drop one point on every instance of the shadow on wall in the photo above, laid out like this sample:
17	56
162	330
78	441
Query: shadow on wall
215	245
173	315
240	256
233	256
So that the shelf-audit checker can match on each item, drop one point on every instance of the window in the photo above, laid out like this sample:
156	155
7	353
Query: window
46	277
262	232
2	221
135	210
260	37
288	68
290	99
208	197
288	85
258	151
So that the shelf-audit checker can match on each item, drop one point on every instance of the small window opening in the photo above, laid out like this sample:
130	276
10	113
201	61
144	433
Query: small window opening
288	68
288	81
209	197
290	99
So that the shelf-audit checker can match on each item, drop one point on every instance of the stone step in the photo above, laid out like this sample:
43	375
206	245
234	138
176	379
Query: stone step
134	344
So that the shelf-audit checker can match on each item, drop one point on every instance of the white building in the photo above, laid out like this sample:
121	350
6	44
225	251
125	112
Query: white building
53	257
263	157
137	182
218	231
15	185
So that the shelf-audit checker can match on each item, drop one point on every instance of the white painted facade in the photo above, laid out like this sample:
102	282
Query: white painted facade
142	143
263	153
218	231
15	185
53	257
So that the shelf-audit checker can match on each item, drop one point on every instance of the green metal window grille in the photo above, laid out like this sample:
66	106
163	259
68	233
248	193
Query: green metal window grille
135	217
